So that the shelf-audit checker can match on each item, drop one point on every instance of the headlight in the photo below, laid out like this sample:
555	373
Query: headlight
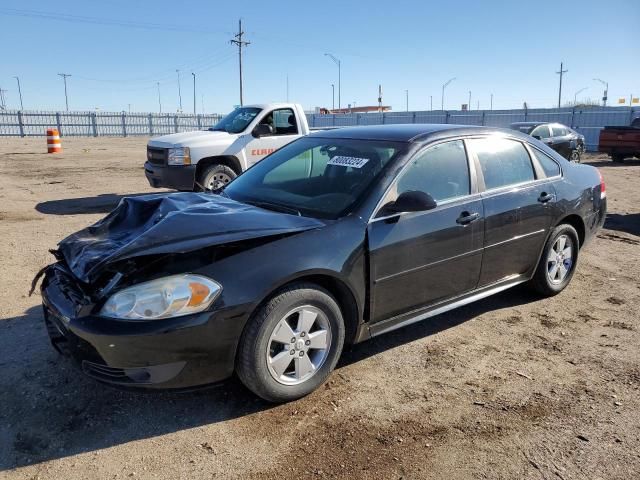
163	298
179	156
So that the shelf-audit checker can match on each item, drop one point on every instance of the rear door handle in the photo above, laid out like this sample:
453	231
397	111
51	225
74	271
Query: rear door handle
466	218
545	197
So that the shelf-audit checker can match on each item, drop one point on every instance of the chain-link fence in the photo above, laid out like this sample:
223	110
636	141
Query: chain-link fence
100	124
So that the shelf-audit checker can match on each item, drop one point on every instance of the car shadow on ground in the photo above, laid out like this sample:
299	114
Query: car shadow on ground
629	162
103	203
629	223
50	410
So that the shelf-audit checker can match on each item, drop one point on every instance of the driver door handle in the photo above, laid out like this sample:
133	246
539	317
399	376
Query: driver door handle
466	218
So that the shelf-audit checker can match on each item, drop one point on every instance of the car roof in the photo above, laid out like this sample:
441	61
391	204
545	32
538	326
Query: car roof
411	132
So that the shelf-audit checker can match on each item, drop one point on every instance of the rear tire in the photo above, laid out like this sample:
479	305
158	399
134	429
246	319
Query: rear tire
292	343
558	261
575	156
216	176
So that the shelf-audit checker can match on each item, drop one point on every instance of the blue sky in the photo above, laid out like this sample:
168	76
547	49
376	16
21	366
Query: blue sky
116	51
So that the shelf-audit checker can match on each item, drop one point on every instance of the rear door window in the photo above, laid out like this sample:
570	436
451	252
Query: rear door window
503	162
559	131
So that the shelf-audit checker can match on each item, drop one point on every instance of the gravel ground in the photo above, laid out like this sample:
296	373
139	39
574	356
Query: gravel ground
509	387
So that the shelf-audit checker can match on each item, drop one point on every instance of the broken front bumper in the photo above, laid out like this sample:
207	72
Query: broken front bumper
183	352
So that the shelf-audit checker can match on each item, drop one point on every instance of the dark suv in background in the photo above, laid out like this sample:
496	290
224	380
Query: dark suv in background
564	140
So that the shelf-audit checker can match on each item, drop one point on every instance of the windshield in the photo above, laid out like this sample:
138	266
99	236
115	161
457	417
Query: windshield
236	121
316	177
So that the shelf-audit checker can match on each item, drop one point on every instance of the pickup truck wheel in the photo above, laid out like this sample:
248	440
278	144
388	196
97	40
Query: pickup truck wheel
558	261
216	176
292	343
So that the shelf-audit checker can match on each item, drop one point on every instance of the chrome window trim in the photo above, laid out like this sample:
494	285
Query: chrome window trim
534	158
472	184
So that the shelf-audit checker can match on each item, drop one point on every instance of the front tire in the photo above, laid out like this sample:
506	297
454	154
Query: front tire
292	343
558	261
216	176
575	156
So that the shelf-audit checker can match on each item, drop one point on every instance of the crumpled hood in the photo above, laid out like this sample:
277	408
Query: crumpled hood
171	223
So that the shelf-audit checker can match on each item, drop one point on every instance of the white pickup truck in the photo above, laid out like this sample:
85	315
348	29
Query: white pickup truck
212	158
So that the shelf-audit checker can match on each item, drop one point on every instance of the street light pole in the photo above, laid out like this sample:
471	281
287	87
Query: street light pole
407	94
443	87
333	97
159	100
561	72
469	105
431	103
606	91
575	95
194	92
66	98
491	102
19	92
338	63
179	91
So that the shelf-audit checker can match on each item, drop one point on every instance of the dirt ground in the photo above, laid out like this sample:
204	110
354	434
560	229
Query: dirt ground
510	387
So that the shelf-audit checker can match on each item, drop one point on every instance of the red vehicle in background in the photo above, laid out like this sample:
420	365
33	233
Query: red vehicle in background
621	142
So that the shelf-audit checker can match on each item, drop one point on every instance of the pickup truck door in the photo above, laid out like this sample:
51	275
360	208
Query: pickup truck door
284	124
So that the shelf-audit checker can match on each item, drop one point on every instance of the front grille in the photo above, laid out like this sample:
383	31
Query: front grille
69	287
115	375
157	156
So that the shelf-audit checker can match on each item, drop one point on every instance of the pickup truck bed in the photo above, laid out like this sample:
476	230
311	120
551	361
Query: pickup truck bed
620	142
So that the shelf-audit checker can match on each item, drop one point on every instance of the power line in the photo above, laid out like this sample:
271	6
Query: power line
237	40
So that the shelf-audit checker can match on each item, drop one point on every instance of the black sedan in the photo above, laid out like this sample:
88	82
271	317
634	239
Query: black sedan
564	140
337	237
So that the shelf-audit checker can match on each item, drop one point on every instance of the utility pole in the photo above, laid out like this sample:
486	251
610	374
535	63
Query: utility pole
379	98
407	94
491	102
469	104
237	40
159	100
3	105
19	92
179	91
194	92
66	98
431	103
338	63
561	72
445	86
606	91
333	96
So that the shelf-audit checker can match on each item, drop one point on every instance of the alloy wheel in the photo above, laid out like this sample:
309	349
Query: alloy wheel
560	259
299	345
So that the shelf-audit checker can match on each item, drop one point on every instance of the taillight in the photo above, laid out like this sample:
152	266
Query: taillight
603	190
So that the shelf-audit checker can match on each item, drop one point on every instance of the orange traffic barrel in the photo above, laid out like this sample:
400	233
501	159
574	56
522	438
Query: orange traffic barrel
53	141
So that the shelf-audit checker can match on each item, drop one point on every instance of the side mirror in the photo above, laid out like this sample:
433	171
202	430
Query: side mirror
413	201
537	137
262	130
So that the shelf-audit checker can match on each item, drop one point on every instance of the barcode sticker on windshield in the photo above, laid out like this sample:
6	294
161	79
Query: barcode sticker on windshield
353	162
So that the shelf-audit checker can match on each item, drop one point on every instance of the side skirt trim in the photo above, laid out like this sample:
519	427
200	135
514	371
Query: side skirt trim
396	322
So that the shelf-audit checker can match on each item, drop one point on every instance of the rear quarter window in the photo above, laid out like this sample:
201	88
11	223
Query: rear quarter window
550	167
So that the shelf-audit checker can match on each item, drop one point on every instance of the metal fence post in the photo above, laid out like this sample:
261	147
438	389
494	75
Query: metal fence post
58	124
124	125
199	119
573	113
446	116
20	123
175	122
94	123
150	124
413	117
483	112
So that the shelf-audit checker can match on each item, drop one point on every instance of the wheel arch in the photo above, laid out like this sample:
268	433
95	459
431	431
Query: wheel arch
337	287
230	161
576	222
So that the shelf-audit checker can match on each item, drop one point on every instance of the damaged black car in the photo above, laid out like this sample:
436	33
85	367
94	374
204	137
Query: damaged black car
337	237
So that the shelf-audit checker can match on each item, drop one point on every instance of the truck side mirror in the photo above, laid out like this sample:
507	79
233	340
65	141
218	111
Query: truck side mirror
262	130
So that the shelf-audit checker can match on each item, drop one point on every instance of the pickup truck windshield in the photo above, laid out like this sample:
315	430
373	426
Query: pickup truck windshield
315	177
236	121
